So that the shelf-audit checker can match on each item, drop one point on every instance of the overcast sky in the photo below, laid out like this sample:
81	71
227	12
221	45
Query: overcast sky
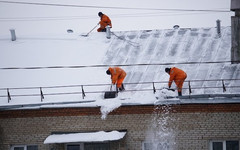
40	19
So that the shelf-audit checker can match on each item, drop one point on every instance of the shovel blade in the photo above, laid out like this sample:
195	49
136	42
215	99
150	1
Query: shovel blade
110	94
85	35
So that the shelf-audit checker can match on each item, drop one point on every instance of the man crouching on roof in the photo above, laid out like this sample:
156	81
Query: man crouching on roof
117	76
178	76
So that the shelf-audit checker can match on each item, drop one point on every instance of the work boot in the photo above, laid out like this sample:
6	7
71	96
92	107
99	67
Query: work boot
103	30
179	93
121	88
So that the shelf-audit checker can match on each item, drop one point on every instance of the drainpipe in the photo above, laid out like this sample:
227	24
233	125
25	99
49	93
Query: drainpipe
235	29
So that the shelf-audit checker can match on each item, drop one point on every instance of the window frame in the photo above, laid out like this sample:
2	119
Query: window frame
14	146
24	146
80	144
224	142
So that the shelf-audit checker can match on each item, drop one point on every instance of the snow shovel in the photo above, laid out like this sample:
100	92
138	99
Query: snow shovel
110	94
169	89
90	31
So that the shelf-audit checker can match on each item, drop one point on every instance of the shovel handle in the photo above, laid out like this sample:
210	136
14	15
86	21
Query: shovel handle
111	87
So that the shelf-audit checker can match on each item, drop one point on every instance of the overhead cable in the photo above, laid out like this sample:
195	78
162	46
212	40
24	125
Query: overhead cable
142	15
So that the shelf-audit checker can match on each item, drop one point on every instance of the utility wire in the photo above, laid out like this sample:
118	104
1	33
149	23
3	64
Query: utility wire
129	8
142	15
126	65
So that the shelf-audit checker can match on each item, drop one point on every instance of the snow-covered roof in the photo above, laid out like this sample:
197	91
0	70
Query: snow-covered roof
62	67
100	136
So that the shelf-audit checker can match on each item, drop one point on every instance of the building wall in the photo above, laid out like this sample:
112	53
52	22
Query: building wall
193	126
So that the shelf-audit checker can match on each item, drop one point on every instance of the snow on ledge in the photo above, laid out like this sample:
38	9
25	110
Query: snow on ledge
100	136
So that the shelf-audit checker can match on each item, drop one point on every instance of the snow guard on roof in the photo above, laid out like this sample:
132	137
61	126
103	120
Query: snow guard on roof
100	136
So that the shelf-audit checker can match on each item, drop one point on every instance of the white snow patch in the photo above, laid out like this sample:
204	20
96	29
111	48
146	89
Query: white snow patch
100	136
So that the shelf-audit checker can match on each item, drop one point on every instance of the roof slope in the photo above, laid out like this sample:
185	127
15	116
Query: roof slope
176	46
158	47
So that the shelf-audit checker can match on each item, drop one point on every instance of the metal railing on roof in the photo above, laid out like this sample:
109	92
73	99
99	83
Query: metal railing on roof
189	85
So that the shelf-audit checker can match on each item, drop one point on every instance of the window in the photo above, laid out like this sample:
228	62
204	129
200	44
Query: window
96	146
87	146
24	147
73	147
224	145
18	148
32	147
217	146
232	145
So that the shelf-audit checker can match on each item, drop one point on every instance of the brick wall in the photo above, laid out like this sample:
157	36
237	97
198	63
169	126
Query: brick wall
193	125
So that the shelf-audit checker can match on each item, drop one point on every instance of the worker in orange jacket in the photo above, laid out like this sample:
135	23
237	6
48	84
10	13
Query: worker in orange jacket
105	20
178	76
117	76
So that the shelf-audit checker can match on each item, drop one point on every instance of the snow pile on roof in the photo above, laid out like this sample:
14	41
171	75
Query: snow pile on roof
100	136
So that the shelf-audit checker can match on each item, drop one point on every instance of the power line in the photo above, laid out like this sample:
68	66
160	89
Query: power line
126	65
158	14
129	8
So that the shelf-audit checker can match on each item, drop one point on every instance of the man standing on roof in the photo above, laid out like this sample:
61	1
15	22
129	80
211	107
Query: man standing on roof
117	76
178	76
105	20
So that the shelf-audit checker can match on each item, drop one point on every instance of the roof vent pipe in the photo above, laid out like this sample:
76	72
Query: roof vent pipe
176	26
108	32
219	28
13	34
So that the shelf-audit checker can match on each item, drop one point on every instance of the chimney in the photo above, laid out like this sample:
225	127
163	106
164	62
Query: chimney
13	34
235	29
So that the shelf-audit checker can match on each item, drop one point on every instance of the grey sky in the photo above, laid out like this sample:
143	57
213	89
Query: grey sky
35	19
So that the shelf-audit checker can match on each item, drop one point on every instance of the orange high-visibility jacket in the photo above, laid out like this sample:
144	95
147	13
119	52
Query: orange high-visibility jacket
177	75
105	20
116	74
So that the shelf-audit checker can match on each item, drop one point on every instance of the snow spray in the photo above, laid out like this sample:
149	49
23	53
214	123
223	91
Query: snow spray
162	130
